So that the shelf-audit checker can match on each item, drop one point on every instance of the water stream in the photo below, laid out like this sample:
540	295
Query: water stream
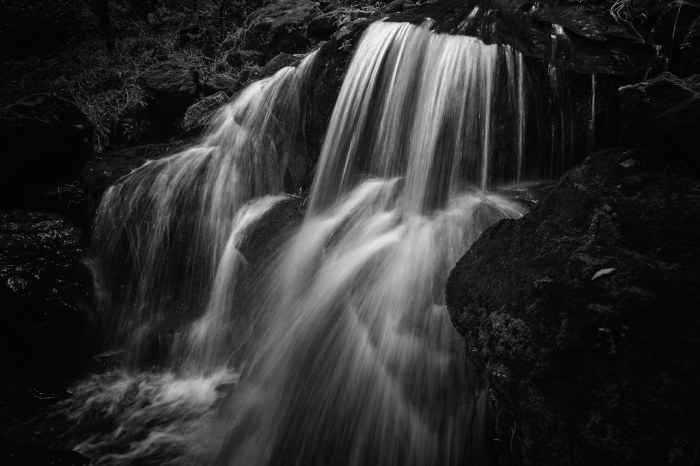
354	360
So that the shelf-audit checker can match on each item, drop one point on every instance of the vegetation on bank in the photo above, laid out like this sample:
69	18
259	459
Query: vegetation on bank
59	47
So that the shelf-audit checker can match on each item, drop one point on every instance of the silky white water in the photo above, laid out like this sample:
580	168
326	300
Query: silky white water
360	364
354	360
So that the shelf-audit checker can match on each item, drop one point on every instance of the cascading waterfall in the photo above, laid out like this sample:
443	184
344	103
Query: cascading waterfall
356	362
165	236
360	364
166	264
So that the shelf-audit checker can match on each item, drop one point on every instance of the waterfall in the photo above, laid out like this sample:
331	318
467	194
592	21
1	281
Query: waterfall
165	236
360	364
355	361
410	94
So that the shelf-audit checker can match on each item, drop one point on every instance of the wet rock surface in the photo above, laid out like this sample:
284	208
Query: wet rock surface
582	316
105	169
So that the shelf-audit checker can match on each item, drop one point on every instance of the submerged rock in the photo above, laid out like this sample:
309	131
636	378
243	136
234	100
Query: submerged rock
583	316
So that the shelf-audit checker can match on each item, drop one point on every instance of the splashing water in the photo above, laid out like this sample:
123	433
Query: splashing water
165	236
360	364
357	362
167	264
137	417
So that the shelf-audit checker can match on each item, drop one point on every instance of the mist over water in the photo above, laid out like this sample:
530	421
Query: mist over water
354	361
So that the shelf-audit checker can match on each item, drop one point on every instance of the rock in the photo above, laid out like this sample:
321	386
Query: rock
45	292
221	83
583	317
326	79
280	27
590	41
106	168
322	27
170	88
690	60
398	6
263	241
665	112
44	140
240	58
199	115
280	61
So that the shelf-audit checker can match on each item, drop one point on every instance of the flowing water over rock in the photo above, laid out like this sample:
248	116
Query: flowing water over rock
353	360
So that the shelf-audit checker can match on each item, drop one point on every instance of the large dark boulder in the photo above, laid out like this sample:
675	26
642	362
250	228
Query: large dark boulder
170	88
44	140
665	115
280	26
584	317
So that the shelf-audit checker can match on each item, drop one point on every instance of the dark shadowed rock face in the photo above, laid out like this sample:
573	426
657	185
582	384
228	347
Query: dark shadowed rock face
665	115
583	317
170	89
44	140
